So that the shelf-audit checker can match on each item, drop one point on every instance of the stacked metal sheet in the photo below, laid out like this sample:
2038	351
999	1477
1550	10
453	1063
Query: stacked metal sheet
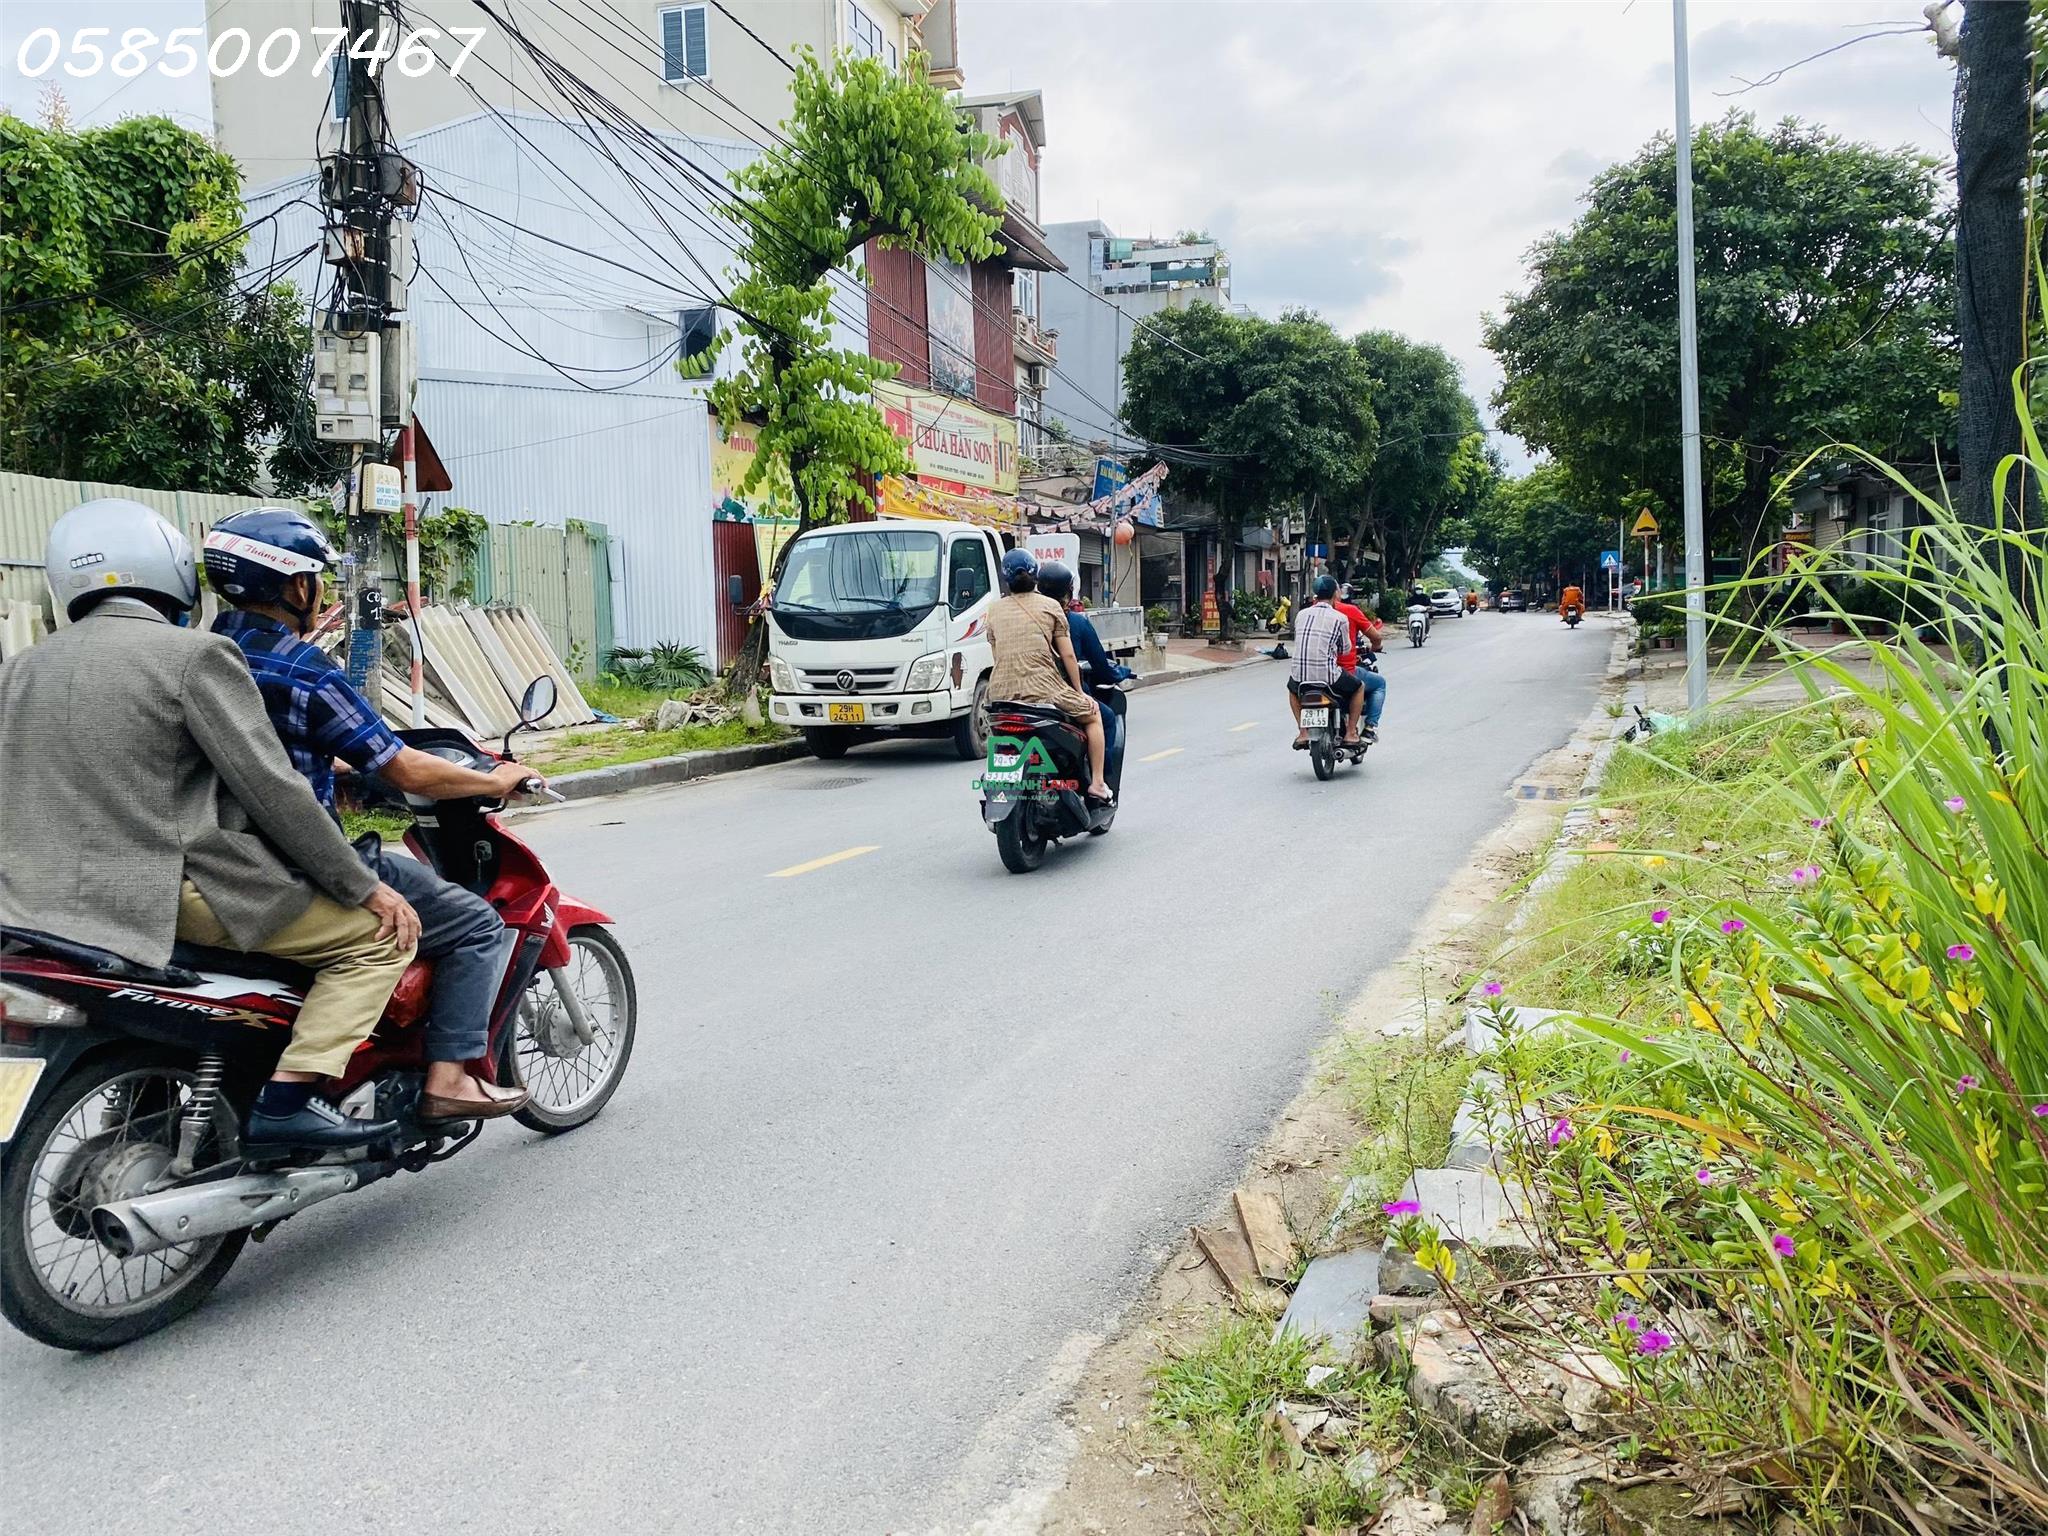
478	664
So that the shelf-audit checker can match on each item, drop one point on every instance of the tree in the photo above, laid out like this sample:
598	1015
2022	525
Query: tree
1429	457
1539	525
1826	313
132	351
1261	414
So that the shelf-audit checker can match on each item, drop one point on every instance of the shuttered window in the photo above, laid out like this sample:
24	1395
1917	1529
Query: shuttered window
685	52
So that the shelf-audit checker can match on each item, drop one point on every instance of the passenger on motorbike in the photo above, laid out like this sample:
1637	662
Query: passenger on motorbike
1367	636
1057	582
1322	635
146	799
1033	647
268	563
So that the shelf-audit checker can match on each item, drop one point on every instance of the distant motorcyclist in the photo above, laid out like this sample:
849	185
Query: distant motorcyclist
1035	661
1417	598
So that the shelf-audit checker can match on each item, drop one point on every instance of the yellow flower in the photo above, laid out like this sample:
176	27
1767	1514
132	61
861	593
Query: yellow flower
1655	861
1603	1142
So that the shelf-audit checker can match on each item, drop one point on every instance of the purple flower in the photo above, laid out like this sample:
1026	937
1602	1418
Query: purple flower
1785	1246
1632	1323
1652	1342
1734	925
1805	874
1661	916
1561	1132
1961	952
1965	1083
1491	989
1818	822
1402	1207
1956	803
1625	1055
2040	1111
1704	1175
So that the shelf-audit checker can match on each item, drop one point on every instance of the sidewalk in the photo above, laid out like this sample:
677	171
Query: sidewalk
1658	681
1187	656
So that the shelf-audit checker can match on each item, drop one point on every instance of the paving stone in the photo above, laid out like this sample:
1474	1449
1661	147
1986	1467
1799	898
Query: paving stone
1474	1209
1334	1297
1390	1311
1401	1276
1482	1034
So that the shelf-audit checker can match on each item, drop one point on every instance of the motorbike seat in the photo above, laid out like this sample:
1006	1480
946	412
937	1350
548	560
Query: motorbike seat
102	961
236	962
1045	712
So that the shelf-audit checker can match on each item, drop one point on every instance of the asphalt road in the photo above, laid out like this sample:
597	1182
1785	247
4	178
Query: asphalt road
902	1136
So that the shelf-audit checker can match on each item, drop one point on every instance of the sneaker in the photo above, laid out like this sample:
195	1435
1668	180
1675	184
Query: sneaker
1370	734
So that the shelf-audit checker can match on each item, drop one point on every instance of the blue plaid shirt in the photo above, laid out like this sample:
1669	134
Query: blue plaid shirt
318	715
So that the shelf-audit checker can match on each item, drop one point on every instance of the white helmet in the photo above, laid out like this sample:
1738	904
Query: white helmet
113	545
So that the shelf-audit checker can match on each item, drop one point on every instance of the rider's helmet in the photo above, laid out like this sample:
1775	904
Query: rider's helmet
252	557
1326	587
1020	571
1056	581
115	547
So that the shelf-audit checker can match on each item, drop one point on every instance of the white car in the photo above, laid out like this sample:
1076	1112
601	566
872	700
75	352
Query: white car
1445	603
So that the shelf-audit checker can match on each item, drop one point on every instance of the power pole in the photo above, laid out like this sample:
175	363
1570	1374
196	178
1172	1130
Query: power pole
1689	387
363	355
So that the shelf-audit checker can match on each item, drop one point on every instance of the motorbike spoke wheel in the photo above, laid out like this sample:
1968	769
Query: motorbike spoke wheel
1322	752
104	1133
569	1081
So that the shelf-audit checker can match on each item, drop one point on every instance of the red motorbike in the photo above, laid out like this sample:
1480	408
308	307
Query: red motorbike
125	1193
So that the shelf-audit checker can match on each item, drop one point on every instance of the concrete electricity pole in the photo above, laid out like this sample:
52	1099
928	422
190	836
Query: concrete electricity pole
1689	387
364	373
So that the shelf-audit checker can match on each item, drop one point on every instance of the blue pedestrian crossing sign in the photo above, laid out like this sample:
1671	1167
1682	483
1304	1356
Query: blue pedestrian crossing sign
1610	559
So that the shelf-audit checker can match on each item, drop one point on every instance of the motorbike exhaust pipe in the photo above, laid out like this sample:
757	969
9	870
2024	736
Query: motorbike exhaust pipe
150	1223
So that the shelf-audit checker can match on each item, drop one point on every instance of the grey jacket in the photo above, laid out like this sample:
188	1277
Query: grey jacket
134	754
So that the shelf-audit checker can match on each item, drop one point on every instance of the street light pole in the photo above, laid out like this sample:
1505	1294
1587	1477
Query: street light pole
1689	387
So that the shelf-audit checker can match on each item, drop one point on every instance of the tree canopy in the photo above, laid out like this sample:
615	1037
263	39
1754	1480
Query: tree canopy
131	352
1431	467
1825	282
867	154
1539	527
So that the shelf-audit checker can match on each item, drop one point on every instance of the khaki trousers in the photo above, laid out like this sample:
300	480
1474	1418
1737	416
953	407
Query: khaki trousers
356	972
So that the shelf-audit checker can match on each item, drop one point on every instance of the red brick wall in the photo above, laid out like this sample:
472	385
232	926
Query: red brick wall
995	357
896	314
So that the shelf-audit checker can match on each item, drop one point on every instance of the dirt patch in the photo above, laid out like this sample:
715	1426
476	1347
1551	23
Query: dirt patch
1121	1478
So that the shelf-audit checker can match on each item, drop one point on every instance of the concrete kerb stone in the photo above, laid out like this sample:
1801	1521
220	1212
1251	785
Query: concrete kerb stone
1181	675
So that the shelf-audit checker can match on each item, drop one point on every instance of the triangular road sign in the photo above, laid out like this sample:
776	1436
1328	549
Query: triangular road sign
1646	525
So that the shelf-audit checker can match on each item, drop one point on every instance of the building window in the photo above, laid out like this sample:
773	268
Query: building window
685	49
1024	291
864	33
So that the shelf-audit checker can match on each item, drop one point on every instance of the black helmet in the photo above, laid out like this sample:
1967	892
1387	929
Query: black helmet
1020	571
1326	586
1056	581
251	556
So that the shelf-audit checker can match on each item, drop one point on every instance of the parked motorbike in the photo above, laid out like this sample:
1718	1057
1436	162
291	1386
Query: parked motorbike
127	1193
1418	624
1037	769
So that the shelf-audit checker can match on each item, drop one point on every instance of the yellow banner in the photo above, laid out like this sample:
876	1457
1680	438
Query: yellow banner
907	498
731	458
951	440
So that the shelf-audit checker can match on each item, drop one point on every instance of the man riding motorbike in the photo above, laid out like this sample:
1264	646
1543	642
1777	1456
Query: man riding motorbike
1033	647
1367	636
1572	603
268	563
1322	635
144	798
1417	598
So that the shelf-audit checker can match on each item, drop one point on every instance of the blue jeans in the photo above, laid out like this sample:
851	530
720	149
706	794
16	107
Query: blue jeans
1375	695
466	941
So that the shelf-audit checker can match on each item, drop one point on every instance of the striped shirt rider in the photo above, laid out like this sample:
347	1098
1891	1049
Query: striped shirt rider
1321	636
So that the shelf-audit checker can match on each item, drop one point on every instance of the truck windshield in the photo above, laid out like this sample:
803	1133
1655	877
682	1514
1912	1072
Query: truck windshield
866	585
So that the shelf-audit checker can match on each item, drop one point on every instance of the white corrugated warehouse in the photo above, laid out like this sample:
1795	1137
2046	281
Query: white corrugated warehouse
548	305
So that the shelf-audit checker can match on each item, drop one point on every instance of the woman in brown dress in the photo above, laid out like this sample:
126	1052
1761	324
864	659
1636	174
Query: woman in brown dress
1028	632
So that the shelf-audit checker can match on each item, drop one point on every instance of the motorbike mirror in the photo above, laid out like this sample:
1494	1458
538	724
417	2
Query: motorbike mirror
735	592
538	702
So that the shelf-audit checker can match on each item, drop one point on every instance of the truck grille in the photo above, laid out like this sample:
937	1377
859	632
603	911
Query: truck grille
844	680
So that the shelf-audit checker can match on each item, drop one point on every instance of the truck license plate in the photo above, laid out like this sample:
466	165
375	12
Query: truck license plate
1314	719
17	1081
846	714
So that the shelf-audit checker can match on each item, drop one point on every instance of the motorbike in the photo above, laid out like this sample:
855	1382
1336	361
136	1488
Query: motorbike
1573	612
1322	716
125	1191
1418	624
1031	787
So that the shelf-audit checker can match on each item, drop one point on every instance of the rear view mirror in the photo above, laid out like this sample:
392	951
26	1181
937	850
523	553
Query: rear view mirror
965	588
538	702
735	593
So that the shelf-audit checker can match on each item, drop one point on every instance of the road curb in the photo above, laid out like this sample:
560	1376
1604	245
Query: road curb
592	783
1161	679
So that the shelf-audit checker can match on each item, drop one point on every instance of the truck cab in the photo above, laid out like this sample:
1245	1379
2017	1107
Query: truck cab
881	628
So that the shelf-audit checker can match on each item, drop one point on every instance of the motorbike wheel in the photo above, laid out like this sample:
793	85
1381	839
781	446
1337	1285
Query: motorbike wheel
1022	848
570	1082
1322	754
103	1132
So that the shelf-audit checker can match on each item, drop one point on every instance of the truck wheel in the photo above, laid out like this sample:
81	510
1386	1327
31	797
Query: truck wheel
830	745
970	731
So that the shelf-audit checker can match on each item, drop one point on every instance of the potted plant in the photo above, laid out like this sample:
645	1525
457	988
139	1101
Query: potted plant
1157	618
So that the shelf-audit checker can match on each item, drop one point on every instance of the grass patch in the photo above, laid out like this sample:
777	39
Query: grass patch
389	825
629	701
1216	1406
1407	1093
602	749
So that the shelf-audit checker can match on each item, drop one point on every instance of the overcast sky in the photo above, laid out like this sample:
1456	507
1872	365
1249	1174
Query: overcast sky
1385	163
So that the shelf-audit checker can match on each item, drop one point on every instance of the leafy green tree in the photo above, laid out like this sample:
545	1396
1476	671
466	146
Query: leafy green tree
866	154
1826	313
1429	461
1540	526
128	350
1269	414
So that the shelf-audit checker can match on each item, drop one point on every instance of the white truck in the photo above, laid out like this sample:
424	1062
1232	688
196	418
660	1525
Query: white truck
881	629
